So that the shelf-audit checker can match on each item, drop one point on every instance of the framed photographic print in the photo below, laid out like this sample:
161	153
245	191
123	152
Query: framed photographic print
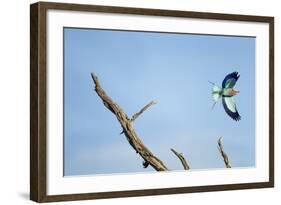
135	102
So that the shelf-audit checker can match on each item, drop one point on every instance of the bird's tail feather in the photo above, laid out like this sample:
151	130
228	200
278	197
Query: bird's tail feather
216	93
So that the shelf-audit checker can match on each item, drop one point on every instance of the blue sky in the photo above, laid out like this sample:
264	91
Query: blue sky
173	69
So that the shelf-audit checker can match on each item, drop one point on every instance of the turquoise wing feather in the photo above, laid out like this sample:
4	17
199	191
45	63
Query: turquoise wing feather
230	80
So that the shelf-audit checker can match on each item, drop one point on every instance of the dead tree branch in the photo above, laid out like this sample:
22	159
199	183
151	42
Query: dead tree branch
182	159
136	115
126	124
223	154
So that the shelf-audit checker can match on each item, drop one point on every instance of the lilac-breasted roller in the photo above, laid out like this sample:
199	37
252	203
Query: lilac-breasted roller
226	92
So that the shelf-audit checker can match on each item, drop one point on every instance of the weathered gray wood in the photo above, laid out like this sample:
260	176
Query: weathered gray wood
223	154
127	125
136	115
182	159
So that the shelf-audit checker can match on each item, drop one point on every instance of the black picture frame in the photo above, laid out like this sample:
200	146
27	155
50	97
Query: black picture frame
38	102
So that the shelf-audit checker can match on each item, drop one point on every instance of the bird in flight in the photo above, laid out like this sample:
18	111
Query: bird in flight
226	92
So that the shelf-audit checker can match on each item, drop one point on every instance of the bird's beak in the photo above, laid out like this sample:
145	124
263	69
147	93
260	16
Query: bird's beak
237	91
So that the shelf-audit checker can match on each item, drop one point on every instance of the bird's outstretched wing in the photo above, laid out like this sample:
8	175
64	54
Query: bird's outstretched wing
230	108
230	80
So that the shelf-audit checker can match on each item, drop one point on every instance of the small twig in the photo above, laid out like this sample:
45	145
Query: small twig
136	115
182	159
223	154
145	164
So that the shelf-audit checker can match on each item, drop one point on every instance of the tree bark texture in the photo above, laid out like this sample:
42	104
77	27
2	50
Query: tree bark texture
223	154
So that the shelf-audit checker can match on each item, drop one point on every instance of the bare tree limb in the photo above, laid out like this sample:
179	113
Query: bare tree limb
126	124
223	154
182	159
136	115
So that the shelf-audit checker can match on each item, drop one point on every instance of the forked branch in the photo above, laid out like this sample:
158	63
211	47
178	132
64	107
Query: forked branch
182	159
127	125
223	154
